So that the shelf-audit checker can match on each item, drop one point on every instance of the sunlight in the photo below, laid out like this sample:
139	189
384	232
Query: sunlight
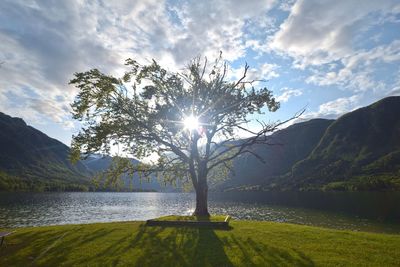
191	123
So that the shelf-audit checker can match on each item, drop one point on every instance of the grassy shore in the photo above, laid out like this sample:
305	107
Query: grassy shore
247	243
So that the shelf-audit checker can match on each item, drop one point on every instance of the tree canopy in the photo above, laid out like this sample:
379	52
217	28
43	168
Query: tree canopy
189	119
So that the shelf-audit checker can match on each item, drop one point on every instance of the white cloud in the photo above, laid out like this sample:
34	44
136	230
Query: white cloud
328	40
396	87
333	109
358	69
340	105
48	109
286	5
261	74
318	32
394	92
287	94
42	45
68	125
269	71
210	26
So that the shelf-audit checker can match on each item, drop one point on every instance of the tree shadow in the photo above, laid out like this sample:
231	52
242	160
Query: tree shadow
253	253
142	245
203	218
185	246
48	247
28	246
179	246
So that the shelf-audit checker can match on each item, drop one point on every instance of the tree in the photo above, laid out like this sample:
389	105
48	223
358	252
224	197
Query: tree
190	120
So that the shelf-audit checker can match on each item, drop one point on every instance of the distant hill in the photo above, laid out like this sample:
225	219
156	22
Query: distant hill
289	145
358	151
30	160
99	163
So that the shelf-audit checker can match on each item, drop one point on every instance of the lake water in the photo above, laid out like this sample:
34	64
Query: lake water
378	212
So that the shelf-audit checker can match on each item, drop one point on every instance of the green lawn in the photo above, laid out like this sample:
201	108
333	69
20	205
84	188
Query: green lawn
248	243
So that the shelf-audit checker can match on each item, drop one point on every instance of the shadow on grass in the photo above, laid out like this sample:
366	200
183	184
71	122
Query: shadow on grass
48	247
179	246
260	254
146	246
185	246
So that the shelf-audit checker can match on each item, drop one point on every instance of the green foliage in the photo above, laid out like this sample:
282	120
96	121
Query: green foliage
248	243
387	163
15	183
143	112
366	183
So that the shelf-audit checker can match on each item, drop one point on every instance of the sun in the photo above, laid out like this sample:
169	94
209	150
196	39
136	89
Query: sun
191	123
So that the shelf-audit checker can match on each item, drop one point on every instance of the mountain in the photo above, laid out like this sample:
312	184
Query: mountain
359	151
30	160
99	163
288	146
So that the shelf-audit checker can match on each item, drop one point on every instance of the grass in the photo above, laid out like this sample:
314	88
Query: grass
248	243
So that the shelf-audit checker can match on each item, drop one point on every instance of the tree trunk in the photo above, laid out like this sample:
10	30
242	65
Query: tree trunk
201	199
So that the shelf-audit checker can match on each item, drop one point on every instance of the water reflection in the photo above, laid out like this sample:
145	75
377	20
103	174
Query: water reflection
356	211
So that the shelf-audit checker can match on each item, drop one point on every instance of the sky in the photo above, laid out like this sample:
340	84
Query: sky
329	57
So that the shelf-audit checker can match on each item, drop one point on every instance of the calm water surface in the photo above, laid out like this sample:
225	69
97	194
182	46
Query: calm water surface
356	211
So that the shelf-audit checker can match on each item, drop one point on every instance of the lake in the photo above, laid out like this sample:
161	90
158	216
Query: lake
369	211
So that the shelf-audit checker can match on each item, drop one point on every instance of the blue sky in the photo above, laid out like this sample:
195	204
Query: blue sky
328	56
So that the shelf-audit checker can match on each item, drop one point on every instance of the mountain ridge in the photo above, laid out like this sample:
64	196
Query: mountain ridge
30	160
358	151
289	145
353	142
27	156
